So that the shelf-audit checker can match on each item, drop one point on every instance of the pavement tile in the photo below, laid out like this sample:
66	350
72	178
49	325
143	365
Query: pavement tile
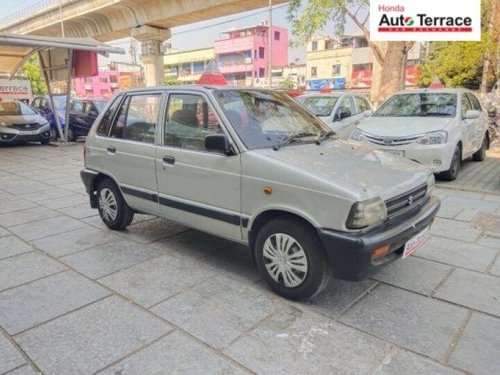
3	232
26	267
15	205
174	354
10	358
457	253
415	322
26	216
472	289
234	262
46	227
54	193
90	338
495	270
96	221
193	244
68	201
469	201
75	240
403	362
79	212
11	245
157	279
418	275
337	296
37	302
457	230
478	350
108	258
216	311
152	230
23	370
488	239
467	214
296	342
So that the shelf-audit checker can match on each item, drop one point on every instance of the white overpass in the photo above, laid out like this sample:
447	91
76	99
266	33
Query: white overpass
148	21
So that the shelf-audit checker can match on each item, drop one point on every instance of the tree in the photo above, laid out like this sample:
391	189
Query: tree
389	57
288	84
172	81
33	71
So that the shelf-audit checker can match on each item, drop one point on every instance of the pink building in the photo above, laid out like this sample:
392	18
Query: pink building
101	86
242	57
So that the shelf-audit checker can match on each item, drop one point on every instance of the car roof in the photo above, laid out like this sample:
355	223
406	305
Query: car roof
434	91
196	87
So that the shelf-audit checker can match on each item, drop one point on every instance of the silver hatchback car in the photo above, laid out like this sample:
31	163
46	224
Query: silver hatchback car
255	167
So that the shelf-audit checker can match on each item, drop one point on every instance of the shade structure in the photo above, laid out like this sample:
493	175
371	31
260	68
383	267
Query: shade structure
212	78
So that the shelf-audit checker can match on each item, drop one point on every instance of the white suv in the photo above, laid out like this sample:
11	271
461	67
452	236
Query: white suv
255	167
437	128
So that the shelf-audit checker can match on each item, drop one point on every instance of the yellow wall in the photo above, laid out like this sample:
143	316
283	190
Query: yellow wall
325	59
183	57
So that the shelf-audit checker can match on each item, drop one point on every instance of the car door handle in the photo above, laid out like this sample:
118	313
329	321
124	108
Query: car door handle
111	149
169	159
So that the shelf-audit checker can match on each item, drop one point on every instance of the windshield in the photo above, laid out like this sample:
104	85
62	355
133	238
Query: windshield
15	108
319	105
100	105
419	104
266	119
60	102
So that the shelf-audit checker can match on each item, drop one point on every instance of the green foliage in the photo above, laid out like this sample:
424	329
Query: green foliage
33	71
172	81
288	84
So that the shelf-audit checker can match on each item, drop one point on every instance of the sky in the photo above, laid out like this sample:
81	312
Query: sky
189	36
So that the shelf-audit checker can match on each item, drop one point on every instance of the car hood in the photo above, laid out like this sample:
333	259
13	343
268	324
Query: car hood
354	167
403	126
21	119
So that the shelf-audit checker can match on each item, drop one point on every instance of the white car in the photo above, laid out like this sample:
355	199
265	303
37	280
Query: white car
340	111
437	128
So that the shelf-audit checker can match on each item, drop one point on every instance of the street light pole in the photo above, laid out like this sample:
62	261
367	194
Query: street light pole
270	45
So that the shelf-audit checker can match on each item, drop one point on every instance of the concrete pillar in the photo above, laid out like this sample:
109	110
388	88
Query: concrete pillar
151	39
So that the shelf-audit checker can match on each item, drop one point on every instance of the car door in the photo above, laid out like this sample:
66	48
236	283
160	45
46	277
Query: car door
468	126
76	118
481	123
131	149
196	187
345	118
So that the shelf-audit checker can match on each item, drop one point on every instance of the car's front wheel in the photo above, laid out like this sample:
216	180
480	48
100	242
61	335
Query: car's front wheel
291	258
480	154
113	209
452	173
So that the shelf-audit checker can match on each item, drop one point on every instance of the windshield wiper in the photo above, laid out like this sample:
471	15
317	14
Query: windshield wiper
324	136
291	138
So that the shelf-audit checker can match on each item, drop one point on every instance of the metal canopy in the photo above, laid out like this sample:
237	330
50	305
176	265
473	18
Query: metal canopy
15	49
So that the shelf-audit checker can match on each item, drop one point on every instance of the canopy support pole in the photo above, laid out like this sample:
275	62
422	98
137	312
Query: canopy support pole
68	93
52	103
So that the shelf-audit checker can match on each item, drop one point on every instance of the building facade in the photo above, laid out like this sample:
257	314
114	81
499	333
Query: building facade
242	57
187	66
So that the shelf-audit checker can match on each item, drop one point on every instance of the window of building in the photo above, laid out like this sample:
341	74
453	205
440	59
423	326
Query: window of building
336	69
314	45
185	69
103	79
276	35
198	67
261	52
103	129
262	72
88	79
136	119
113	79
314	71
189	120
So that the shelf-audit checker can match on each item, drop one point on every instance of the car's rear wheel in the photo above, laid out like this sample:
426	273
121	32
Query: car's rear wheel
291	258
480	154
113	209
452	173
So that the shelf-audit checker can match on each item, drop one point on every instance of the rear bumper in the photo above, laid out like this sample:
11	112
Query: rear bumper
88	177
351	254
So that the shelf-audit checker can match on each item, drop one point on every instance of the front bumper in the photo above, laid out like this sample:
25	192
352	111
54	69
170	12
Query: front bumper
351	254
12	135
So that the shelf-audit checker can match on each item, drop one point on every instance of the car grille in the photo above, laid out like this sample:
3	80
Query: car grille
26	127
405	202
391	141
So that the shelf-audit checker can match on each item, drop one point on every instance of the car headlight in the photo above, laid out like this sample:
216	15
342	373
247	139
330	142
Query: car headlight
357	135
431	181
366	213
434	138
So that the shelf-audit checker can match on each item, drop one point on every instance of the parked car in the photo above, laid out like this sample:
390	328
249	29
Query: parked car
43	106
437	128
82	114
341	111
267	173
20	123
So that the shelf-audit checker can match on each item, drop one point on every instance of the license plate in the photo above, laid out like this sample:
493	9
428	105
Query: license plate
415	242
29	132
399	153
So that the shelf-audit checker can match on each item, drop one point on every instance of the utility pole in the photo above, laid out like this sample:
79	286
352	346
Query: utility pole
270	45
61	18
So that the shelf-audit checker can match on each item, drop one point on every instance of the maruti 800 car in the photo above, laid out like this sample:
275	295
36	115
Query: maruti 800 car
255	167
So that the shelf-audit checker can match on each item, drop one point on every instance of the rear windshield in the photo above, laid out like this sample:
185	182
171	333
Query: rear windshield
419	105
15	108
319	105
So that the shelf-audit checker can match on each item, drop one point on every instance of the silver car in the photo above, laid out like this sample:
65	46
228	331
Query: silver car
19	123
255	167
341	111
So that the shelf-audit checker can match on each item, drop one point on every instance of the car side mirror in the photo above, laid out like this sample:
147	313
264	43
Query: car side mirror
472	114
218	143
344	114
367	113
492	112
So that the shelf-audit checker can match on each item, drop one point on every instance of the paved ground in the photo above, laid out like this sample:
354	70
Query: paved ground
78	298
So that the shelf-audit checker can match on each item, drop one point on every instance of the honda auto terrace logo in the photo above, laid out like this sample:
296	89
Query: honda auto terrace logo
425	20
